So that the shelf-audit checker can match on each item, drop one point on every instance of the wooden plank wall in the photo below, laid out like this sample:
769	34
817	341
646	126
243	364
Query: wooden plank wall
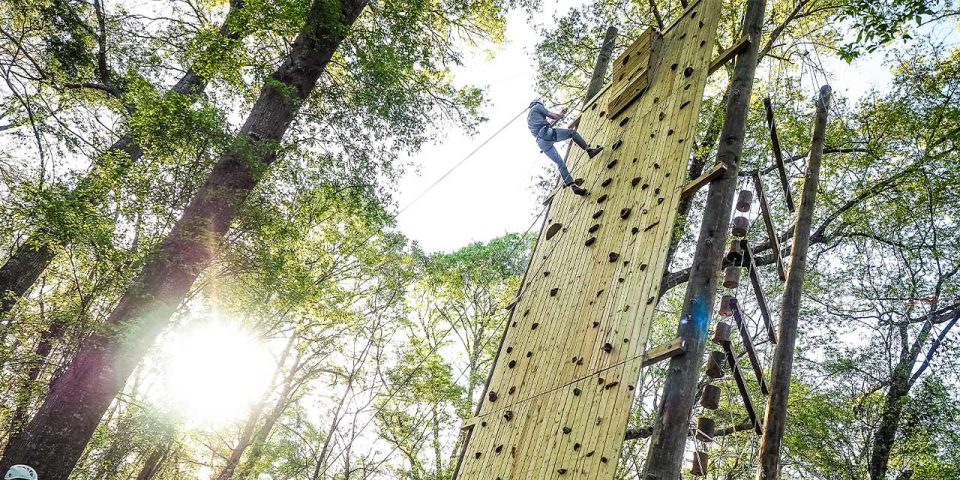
560	393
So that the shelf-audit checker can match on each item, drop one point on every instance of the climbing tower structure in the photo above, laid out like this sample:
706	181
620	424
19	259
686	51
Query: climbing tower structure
559	395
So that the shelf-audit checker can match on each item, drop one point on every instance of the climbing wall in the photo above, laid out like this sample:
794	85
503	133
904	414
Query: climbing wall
558	399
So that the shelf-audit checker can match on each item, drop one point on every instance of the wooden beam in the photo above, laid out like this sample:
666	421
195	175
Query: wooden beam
748	345
758	290
740	427
664	459
768	222
674	347
778	153
728	54
792	292
742	387
696	184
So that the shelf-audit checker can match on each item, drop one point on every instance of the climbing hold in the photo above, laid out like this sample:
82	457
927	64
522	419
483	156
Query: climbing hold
684	104
625	121
614	256
594	228
635	182
643	266
509	349
626	308
534	326
498	449
529	354
607	182
513	388
740	226
635	230
597	215
602	198
576	446
650	300
603	460
687	72
631	387
625	213
607	347
656	191
590	454
669	132
644	186
554	291
561	471
612	164
580	361
477	455
662	116
590	241
567	430
553	230
508	415
660	200
512	363
621	280
611	385
656	166
596	324
492	396
599	292
576	392
526	312
674	66
616	144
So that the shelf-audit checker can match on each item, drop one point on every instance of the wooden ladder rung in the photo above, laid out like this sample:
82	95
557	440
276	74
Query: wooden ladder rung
674	347
728	54
696	184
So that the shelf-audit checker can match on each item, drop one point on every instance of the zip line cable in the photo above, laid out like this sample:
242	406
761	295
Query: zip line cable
461	162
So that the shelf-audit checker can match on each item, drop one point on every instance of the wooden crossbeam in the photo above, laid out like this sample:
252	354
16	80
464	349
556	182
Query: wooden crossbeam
674	347
771	229
758	290
728	54
778	153
697	183
748	345
742	387
740	427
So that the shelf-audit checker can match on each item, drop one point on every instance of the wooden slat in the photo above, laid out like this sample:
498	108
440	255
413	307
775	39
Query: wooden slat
636	88
696	184
758	291
728	54
778	153
768	222
674	347
748	346
742	387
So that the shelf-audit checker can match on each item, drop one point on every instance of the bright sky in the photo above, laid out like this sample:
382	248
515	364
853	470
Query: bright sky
491	194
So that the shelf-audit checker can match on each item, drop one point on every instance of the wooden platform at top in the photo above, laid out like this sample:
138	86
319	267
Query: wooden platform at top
561	390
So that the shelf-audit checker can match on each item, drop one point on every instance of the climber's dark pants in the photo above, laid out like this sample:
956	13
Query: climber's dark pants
547	136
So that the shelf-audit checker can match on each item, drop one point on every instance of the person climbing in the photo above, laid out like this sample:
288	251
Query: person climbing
20	472
546	135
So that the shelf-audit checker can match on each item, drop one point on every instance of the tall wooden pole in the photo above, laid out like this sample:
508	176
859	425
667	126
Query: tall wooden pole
665	456
782	368
603	62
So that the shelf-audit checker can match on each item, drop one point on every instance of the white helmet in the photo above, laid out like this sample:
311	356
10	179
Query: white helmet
20	472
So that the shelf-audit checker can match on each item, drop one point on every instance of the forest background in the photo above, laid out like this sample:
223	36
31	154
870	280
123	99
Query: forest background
213	234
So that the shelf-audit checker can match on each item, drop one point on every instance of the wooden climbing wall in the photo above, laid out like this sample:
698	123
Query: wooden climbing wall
558	399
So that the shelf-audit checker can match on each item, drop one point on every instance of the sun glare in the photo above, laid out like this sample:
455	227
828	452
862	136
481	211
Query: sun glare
214	373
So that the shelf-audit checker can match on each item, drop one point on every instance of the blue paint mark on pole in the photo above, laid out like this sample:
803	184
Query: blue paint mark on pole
701	317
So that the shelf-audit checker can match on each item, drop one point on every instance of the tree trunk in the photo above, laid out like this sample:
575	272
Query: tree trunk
29	260
603	62
667	445
41	353
886	434
151	466
775	419
57	435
